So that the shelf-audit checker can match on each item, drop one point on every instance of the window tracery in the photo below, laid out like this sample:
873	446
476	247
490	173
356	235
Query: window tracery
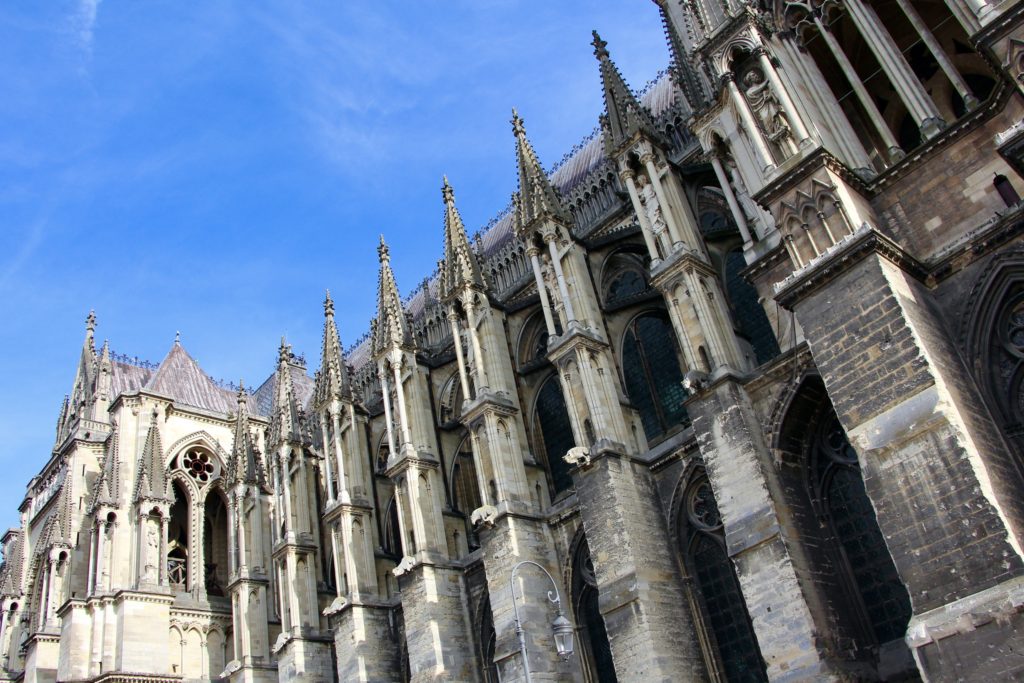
653	374
721	600
552	426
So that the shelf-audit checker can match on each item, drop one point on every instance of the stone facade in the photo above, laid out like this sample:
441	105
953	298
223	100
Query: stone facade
736	391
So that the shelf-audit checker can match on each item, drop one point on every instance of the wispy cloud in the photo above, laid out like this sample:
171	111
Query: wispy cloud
84	23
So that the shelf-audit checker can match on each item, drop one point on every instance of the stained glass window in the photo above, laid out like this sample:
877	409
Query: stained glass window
556	432
653	376
749	313
725	611
852	519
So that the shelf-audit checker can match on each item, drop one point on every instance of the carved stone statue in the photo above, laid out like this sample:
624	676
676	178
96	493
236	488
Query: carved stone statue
765	105
653	209
149	570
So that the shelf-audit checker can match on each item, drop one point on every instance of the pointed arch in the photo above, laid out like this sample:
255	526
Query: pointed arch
552	431
200	438
652	372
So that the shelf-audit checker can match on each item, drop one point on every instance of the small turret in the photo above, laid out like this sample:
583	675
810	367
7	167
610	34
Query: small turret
246	466
459	269
390	328
537	199
285	422
625	119
333	381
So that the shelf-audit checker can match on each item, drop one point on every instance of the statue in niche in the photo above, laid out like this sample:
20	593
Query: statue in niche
149	570
765	105
652	208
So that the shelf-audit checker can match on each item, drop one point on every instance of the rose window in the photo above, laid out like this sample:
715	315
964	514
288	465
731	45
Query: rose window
198	465
703	509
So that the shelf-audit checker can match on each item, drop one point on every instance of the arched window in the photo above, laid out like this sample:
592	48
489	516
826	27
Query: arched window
215	544
723	608
465	488
652	373
624	279
748	312
392	531
488	642
840	496
552	425
595	650
868	606
178	540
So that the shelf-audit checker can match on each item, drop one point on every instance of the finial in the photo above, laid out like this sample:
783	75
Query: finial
600	47
517	124
90	322
446	191
241	390
284	351
328	304
177	338
383	253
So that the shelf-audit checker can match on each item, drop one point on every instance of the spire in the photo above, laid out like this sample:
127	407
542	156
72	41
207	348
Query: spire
683	71
332	380
390	326
85	377
150	480
62	419
245	465
624	116
459	267
285	424
107	487
536	198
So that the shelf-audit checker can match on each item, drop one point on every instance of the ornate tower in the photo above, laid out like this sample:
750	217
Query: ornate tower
363	642
249	505
511	527
641	599
303	648
430	585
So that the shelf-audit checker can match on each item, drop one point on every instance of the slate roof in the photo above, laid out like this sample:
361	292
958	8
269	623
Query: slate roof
179	377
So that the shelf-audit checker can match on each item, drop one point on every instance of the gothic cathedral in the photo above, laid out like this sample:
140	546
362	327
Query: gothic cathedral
735	393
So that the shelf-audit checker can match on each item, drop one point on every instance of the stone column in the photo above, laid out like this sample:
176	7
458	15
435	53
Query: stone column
865	99
641	216
895	66
799	130
730	198
542	291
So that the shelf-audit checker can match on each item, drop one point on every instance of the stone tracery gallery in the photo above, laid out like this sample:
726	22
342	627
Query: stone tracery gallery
741	378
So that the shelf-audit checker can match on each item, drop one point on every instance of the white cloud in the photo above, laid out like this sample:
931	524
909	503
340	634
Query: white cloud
84	26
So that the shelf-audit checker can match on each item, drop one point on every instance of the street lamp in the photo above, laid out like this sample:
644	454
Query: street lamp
561	628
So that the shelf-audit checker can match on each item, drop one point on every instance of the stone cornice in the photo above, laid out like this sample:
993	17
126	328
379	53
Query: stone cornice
841	257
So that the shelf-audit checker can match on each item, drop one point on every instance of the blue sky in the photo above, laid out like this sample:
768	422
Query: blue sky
211	167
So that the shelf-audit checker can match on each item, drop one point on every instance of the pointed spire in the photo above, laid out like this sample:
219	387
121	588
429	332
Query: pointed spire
150	481
245	466
62	420
537	198
107	487
683	71
460	268
625	117
390	327
332	382
285	424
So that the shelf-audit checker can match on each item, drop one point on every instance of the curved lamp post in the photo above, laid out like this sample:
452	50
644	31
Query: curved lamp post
561	628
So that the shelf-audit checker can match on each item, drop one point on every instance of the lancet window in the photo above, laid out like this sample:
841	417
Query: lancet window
553	431
747	310
840	497
595	650
653	374
720	599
